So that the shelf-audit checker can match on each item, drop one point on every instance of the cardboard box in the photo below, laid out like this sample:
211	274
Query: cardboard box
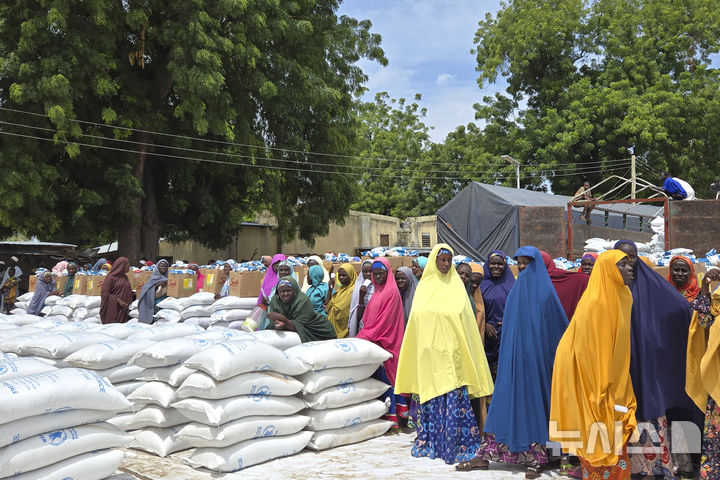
214	280
60	282
357	266
514	270
80	286
246	284
131	277
94	284
141	279
396	262
32	281
181	285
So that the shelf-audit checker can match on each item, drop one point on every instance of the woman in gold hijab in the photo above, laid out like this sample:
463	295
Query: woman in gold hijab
442	360
592	411
703	371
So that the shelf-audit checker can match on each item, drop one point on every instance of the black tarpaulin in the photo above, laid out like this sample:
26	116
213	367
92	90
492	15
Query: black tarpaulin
482	218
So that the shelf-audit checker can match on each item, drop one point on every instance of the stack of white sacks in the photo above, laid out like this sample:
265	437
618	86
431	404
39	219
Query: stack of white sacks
53	422
157	370
239	398
341	396
230	311
203	310
242	400
73	308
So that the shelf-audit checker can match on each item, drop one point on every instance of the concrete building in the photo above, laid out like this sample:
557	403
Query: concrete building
360	231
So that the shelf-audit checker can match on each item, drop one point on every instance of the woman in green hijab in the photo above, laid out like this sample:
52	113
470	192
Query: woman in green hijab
292	310
71	270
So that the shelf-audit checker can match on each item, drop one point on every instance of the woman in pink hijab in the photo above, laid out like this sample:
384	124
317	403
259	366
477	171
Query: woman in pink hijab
384	325
270	280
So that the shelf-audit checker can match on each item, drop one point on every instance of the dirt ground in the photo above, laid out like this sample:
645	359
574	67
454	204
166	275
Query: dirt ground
387	457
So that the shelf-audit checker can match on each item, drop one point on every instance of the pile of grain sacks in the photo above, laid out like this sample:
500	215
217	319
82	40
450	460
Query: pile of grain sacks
340	395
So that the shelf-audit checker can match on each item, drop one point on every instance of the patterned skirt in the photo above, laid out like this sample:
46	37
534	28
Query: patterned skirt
710	461
446	428
398	403
620	471
493	451
655	458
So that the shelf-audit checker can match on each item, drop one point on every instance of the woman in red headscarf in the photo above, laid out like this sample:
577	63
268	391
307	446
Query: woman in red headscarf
116	293
682	277
569	285
384	324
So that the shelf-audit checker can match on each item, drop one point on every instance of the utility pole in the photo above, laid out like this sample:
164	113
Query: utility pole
514	162
633	184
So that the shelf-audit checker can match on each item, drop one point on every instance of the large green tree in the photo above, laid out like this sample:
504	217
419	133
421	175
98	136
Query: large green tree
240	85
589	81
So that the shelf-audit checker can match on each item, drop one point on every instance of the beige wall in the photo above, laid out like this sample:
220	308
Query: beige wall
360	230
252	240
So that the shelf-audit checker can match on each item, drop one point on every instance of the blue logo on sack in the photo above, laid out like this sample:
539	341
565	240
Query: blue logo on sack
57	438
3	369
259	393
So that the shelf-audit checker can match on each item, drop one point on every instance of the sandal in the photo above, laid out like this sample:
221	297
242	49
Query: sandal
474	464
532	473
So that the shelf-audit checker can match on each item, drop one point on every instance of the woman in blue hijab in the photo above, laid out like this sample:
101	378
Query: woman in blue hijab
658	350
148	296
516	428
495	288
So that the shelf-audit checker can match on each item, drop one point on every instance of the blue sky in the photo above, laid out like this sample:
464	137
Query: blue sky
427	44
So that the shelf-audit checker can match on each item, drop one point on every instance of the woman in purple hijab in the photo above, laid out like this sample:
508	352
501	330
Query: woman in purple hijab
495	287
658	348
271	279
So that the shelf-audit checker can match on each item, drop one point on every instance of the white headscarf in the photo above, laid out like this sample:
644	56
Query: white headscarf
354	322
326	276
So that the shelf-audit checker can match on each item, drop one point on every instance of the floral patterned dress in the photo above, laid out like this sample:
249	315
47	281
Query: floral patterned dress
446	428
710	460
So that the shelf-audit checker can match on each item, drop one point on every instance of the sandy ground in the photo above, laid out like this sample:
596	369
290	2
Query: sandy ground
387	458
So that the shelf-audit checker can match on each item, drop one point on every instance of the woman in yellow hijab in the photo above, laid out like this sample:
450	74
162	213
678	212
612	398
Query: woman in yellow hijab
442	360
338	307
592	410
702	376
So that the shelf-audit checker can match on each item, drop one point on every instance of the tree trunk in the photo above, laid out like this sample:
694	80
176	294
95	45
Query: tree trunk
139	237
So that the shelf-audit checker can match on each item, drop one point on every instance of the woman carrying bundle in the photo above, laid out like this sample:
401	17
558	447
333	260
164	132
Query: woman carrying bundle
291	310
384	325
443	362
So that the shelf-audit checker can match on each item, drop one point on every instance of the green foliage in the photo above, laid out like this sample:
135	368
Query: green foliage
233	73
404	173
588	80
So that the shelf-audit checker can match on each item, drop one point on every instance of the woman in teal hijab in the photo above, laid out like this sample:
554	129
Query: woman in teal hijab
318	290
418	266
292	310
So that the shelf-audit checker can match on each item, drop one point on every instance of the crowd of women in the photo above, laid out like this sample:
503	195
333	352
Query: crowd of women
487	367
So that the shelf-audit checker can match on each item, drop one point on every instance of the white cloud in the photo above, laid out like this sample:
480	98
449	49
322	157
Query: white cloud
427	44
444	79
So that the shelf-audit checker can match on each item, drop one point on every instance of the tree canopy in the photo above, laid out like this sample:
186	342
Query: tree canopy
589	82
238	85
